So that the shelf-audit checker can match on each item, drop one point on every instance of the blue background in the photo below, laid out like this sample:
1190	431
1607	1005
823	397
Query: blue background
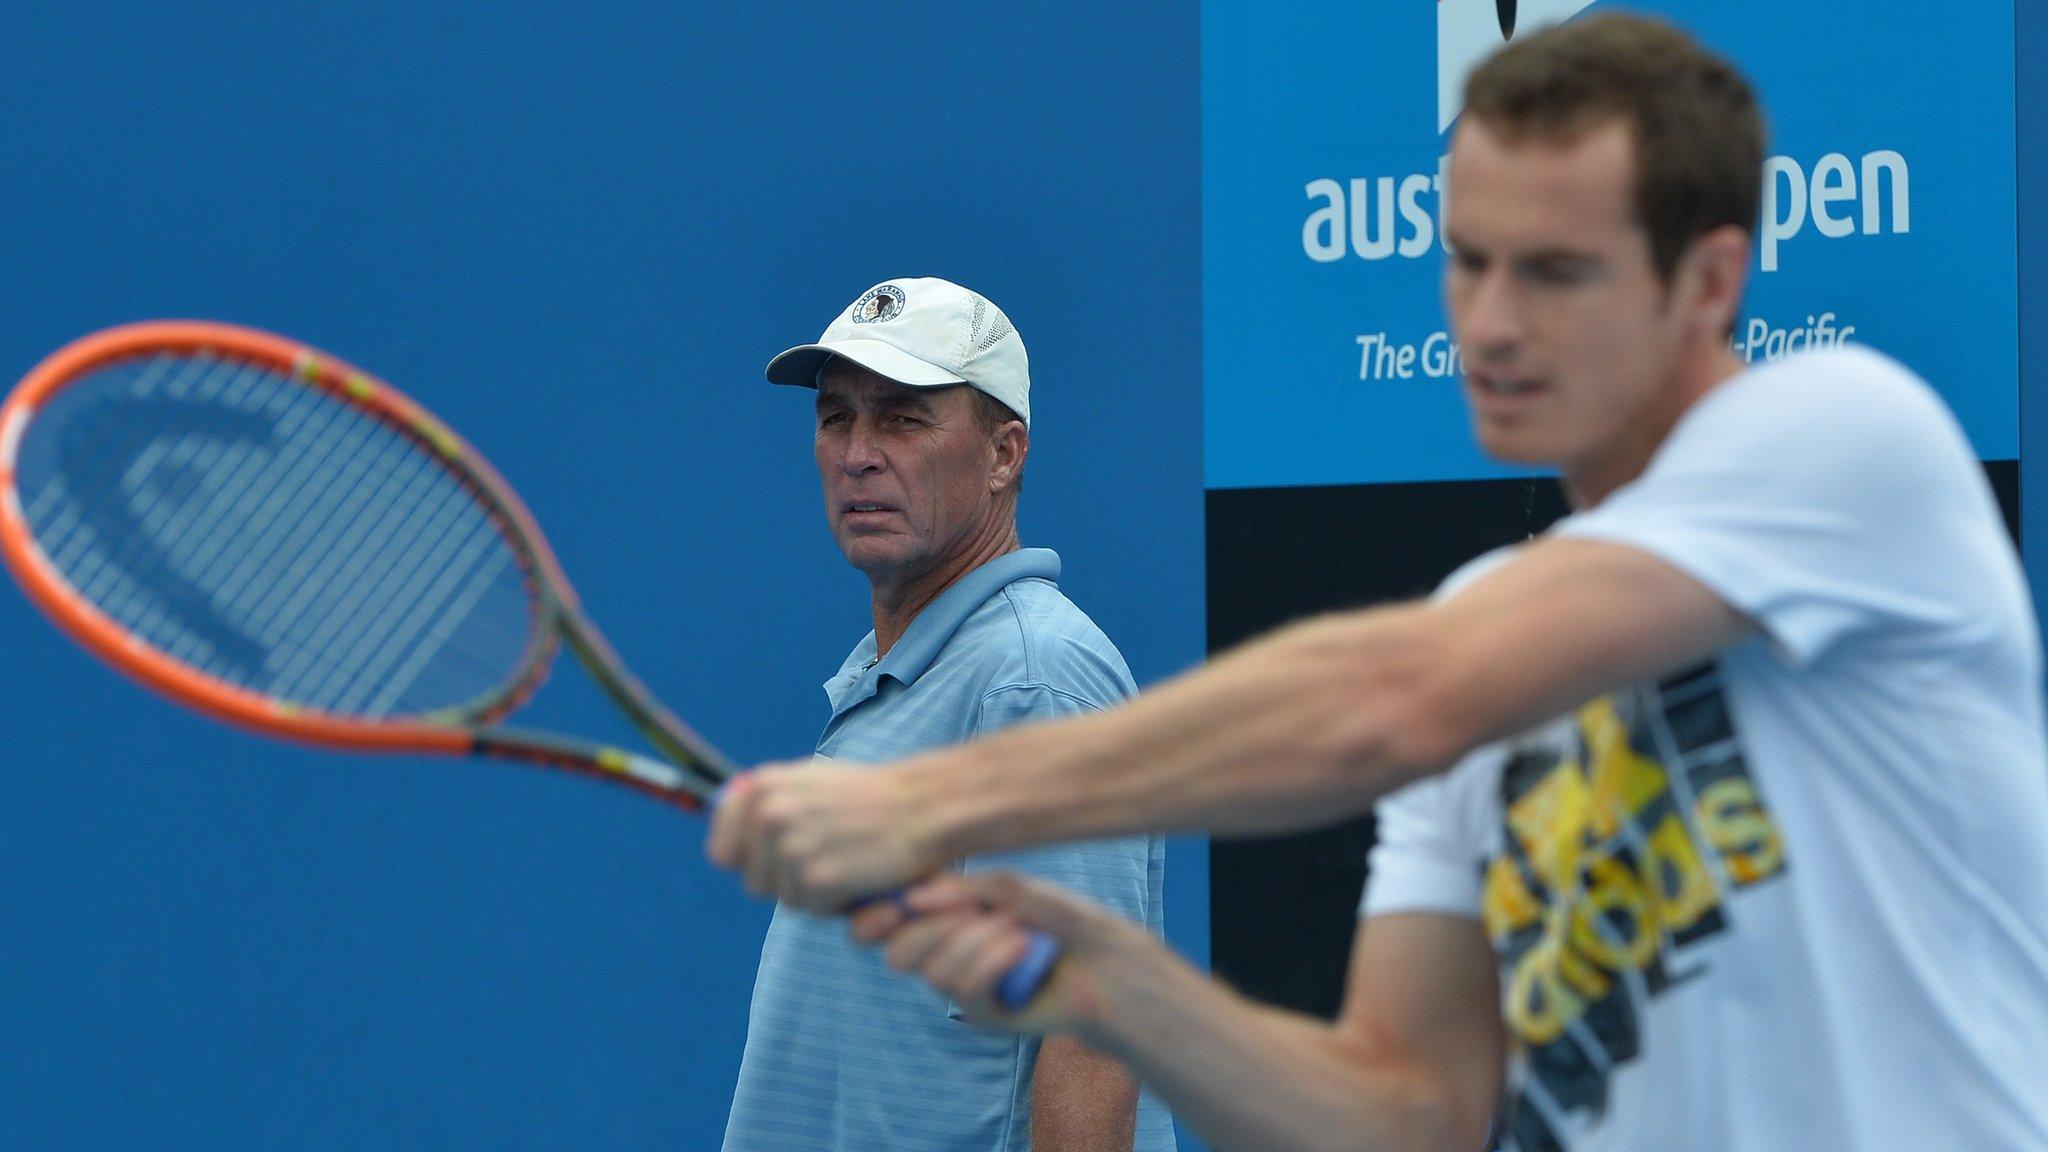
576	232
1338	90
2031	36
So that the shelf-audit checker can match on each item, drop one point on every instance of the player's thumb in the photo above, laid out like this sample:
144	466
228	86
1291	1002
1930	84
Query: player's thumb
1035	905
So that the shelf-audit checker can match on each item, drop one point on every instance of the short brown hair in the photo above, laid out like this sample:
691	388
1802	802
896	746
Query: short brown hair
989	412
1699	136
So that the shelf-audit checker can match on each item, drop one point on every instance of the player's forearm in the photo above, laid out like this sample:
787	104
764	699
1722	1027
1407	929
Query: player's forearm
1303	728
1251	1078
1081	1100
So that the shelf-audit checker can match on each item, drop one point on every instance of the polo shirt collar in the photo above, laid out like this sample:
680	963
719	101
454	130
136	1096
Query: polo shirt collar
920	643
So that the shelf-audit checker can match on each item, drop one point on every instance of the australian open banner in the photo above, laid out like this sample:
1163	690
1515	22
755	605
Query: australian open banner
1888	215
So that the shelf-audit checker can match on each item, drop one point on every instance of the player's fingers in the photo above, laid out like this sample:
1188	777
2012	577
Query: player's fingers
765	863
917	938
767	869
727	842
1039	905
967	961
946	892
985	971
872	921
877	918
802	882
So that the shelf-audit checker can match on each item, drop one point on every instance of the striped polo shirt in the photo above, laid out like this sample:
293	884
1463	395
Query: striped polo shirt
844	1055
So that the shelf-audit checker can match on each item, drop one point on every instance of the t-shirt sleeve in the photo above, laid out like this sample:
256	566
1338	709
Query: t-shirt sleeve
1113	873
1809	496
1122	875
1422	860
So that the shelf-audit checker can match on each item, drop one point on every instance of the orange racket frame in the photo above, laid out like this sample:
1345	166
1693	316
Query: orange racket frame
695	768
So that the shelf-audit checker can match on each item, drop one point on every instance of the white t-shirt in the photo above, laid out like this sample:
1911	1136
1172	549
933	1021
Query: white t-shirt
1795	899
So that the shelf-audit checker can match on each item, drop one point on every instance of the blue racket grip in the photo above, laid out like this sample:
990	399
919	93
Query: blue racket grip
1019	986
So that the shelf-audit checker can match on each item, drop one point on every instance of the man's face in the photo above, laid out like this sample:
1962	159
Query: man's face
1570	340
907	472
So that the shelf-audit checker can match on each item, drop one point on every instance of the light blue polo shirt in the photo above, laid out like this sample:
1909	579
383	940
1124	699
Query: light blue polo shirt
844	1055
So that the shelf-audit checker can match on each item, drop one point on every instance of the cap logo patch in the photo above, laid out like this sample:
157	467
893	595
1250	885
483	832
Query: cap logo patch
882	302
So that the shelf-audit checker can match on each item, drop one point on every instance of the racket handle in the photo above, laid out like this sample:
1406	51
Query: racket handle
1022	983
1019	986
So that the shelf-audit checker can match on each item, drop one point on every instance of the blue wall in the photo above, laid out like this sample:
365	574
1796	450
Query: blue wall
576	232
2031	44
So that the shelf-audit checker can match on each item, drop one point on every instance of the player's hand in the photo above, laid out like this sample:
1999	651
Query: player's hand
962	934
820	837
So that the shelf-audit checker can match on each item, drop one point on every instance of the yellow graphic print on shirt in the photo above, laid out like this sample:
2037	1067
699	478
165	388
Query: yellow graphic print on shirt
1625	831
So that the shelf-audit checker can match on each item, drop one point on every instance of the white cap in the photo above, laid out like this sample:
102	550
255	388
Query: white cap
924	332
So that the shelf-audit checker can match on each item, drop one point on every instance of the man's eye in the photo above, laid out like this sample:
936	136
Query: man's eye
1557	272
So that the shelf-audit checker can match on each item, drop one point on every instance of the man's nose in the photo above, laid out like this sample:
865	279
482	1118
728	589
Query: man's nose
1493	316
862	453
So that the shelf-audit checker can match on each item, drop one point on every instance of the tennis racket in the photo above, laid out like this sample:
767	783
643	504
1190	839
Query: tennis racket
263	533
272	537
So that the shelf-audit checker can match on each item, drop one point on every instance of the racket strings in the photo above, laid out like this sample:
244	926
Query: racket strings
337	590
276	537
192	525
428	582
175	534
334	578
108	577
281	537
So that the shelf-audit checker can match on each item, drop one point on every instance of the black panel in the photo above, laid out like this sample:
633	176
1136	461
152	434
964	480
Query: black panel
1283	909
2005	483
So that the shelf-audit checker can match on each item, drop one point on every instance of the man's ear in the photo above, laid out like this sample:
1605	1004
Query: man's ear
1009	444
1718	264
